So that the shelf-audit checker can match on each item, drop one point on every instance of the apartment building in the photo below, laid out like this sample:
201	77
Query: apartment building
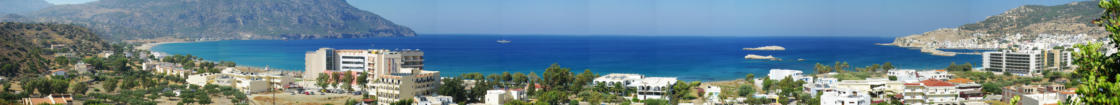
842	96
969	91
1056	59
404	84
930	92
1038	94
1018	63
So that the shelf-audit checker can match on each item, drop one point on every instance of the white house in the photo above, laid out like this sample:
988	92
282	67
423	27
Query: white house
841	96
654	87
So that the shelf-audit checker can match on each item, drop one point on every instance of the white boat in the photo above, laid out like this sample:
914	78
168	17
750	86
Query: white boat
503	41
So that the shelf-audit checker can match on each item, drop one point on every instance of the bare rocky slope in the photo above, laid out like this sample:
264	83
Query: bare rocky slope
1029	20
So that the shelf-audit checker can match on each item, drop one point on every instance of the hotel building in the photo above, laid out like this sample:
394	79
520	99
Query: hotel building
1019	63
377	61
395	74
647	87
409	83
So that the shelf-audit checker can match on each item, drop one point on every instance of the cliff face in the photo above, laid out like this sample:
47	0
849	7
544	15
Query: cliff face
223	19
1073	18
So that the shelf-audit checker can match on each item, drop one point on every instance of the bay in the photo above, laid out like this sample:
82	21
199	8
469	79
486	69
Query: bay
702	58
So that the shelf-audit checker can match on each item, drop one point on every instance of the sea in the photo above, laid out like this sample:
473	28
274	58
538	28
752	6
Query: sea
692	58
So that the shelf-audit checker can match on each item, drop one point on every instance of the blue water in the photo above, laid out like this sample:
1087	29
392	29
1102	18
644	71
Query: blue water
687	57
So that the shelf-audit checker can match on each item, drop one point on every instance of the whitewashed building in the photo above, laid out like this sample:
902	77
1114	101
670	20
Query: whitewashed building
841	96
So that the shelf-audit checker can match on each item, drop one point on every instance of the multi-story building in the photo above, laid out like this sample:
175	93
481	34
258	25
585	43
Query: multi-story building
930	92
1037	94
1018	63
821	85
408	83
969	92
617	78
1056	59
842	96
165	68
373	61
654	87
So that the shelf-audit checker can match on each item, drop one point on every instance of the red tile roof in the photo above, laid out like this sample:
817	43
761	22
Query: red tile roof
935	82
960	80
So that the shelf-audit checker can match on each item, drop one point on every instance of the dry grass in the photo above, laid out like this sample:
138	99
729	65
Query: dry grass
299	99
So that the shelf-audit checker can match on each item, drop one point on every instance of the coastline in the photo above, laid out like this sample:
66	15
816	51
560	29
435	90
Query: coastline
937	50
148	46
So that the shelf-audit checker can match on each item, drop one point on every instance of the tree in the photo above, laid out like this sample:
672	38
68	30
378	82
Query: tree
750	78
553	97
656	102
79	88
453	87
887	66
403	102
822	69
745	90
362	79
583	79
323	80
110	84
519	78
1099	70
556	78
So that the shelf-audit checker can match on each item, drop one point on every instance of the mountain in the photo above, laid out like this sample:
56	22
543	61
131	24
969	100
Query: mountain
22	6
223	19
26	47
1030	20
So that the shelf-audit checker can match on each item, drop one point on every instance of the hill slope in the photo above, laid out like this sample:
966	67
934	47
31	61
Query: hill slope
22	6
1030	20
223	19
26	48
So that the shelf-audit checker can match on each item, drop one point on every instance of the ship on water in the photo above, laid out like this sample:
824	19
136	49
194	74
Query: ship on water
503	41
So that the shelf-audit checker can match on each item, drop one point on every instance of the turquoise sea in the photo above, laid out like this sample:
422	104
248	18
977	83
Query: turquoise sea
703	58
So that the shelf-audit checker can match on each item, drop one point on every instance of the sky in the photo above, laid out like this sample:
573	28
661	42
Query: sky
885	18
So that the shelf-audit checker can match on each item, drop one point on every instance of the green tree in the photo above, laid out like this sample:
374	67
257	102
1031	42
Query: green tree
453	87
656	102
1099	70
557	78
519	78
583	79
887	66
553	97
110	84
745	90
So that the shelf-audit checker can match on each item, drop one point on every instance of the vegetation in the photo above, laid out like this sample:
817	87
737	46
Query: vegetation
25	48
559	86
1099	71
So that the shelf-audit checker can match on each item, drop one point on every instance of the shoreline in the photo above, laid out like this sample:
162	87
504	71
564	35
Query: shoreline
937	51
149	46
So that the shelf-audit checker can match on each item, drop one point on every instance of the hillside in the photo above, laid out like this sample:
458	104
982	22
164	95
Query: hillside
22	6
27	48
1030	20
222	19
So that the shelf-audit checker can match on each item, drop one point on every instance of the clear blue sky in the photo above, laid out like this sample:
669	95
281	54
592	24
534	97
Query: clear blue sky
685	17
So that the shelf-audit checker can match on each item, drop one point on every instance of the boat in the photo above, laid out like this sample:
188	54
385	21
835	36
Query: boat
503	41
